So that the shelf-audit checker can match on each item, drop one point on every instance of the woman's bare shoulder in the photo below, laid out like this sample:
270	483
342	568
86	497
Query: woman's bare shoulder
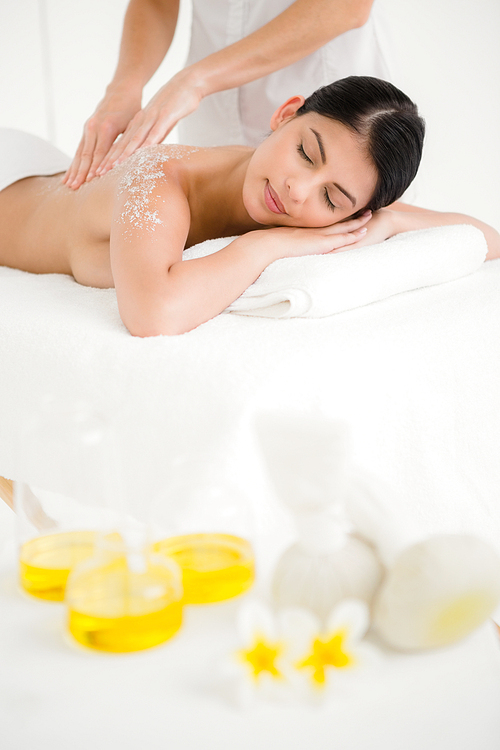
149	165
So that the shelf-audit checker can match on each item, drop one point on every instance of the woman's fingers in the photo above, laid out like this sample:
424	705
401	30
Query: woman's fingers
359	232
348	239
350	225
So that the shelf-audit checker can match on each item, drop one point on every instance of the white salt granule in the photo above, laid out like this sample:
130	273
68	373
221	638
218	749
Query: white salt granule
141	173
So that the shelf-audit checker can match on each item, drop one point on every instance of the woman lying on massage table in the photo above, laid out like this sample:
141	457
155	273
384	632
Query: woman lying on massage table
317	184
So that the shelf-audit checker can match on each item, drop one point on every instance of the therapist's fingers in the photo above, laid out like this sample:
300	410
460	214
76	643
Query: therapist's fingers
111	118
166	119
74	167
94	145
132	139
92	150
174	101
150	126
115	154
105	139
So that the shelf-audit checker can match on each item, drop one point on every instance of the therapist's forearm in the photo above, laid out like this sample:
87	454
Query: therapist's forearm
148	30
299	31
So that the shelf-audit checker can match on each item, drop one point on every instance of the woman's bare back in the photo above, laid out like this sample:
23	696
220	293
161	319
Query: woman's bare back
47	228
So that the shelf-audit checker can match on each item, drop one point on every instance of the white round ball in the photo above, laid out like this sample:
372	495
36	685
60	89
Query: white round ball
319	582
437	592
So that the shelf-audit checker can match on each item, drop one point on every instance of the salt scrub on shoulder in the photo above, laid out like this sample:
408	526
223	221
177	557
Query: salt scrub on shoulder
140	175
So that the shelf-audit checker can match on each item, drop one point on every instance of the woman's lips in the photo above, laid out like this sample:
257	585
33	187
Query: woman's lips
272	201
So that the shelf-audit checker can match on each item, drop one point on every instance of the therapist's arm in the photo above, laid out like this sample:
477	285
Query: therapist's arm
148	29
300	30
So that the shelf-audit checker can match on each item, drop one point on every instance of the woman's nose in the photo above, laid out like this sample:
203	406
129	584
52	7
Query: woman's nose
298	189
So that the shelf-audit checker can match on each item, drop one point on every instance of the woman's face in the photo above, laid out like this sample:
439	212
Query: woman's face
311	171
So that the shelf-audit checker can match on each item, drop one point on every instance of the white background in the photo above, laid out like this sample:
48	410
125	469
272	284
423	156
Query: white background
56	57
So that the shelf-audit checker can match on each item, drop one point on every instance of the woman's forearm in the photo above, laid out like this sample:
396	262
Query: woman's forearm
155	300
407	218
192	291
300	30
148	30
204	287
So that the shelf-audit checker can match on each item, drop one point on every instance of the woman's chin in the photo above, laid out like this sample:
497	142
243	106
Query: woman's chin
257	213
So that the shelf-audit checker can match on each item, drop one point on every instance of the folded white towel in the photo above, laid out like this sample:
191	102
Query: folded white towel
321	285
25	155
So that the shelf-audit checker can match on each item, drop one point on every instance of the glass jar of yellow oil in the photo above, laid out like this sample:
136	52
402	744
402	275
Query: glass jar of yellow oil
55	534
56	527
125	597
214	566
45	562
207	521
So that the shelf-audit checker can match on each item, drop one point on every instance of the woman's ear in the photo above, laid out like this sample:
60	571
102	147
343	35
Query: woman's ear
286	111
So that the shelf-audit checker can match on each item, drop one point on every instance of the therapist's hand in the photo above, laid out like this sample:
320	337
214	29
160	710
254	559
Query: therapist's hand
177	99
110	119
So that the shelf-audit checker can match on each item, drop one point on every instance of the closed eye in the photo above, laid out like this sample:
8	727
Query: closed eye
328	201
300	149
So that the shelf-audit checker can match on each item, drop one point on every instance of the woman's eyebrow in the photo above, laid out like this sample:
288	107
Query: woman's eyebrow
323	159
347	195
320	145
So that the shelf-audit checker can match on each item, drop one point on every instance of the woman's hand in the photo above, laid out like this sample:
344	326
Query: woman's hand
382	225
177	99
111	117
291	242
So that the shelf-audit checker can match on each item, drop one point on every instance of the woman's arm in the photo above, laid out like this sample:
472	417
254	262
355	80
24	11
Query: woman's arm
300	30
148	30
401	217
159	293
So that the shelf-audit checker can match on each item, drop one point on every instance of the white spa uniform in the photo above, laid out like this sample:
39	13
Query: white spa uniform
242	115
